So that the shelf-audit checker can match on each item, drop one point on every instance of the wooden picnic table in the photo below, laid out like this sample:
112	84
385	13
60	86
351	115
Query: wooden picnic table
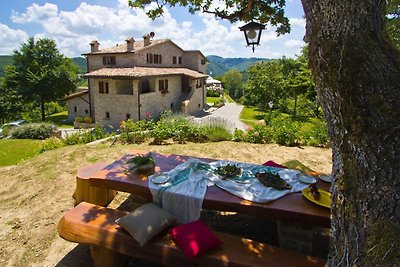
290	208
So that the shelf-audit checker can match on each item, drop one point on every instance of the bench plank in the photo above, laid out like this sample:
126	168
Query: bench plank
95	225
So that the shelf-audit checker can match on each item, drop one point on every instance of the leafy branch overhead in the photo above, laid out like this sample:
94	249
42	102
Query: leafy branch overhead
269	11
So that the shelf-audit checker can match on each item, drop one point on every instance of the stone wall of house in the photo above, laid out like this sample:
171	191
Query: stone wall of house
118	106
195	101
155	102
80	104
167	51
95	62
193	60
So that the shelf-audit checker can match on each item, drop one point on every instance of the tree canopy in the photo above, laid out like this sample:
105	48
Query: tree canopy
40	73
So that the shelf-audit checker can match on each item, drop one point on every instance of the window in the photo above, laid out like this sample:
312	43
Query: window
180	60
109	60
157	59
203	62
154	58
103	88
128	116
163	86
172	105
75	109
107	115
173	60
199	83
86	111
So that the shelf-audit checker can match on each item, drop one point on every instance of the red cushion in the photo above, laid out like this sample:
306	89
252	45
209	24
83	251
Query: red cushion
194	238
271	163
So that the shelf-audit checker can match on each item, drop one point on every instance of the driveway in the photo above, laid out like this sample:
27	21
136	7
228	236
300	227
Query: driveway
228	114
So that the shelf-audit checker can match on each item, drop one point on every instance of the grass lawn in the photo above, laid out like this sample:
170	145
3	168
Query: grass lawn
211	99
57	119
13	151
251	115
229	98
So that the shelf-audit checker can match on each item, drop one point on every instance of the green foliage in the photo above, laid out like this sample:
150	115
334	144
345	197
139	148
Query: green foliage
218	66
133	132
259	135
219	102
233	82
33	131
86	136
10	103
214	133
238	135
40	74
78	119
393	21
263	11
212	93
87	120
285	131
50	144
317	135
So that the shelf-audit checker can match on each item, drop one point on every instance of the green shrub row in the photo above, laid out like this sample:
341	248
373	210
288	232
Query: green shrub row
213	93
86	136
33	131
284	131
174	128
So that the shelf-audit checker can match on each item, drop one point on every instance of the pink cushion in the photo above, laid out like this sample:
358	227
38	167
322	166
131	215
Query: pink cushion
271	163
194	238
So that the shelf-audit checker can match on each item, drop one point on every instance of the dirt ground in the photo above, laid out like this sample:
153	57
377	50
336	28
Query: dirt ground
35	193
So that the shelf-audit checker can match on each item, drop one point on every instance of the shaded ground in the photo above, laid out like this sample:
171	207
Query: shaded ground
34	194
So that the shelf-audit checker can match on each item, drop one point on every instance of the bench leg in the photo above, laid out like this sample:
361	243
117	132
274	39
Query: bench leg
106	258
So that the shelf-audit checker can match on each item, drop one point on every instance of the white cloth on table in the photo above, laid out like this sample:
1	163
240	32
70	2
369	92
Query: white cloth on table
184	192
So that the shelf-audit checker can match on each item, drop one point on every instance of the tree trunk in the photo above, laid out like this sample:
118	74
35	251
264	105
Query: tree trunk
357	73
42	108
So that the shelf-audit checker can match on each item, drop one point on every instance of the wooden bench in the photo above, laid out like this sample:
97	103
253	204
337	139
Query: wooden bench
95	226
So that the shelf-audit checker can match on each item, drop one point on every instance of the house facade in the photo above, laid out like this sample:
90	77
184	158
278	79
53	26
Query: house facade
135	78
78	104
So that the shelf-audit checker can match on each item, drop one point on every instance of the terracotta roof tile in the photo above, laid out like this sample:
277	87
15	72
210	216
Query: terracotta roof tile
121	48
138	72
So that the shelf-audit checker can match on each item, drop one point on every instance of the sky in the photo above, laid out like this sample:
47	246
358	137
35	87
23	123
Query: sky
74	24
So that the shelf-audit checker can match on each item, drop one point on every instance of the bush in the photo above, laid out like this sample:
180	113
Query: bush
219	103
217	133
259	135
213	93
78	119
238	135
33	131
50	144
87	120
318	135
285	131
85	136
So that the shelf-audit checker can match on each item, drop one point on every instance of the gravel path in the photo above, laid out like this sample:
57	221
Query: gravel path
229	113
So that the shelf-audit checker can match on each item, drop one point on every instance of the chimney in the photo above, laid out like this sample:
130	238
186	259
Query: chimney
130	44
94	46
146	39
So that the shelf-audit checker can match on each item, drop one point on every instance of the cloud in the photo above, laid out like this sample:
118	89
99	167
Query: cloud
10	39
35	13
293	43
74	29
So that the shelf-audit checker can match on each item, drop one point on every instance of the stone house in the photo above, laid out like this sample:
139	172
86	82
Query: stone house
135	78
78	104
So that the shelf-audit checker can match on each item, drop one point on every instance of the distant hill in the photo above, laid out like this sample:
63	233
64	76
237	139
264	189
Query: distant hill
7	60
218	65
4	61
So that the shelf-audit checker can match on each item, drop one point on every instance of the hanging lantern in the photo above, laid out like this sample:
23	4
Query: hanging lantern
252	33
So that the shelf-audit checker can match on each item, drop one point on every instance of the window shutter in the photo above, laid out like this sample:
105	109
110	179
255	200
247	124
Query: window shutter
112	60
104	61
160	85
106	87
101	87
147	55
166	84
180	60
173	60
160	59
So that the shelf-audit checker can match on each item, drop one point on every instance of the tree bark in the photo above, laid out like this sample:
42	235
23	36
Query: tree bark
357	74
42	108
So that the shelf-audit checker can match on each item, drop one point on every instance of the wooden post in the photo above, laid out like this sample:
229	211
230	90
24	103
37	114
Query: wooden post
88	193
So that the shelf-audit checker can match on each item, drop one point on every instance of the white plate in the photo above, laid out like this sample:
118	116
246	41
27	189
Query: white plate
307	179
160	178
325	177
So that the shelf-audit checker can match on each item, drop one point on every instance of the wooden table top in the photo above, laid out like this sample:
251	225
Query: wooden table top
290	208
